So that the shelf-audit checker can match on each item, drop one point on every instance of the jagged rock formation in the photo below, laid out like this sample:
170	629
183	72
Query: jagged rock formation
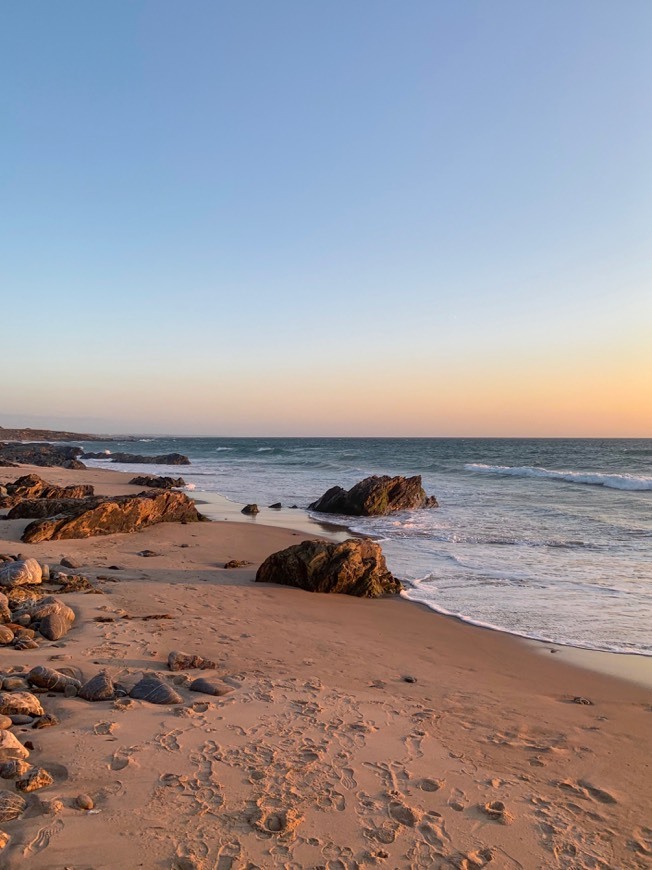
353	567
119	514
31	486
375	496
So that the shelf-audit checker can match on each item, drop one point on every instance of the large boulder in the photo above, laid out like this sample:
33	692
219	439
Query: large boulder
137	459
25	572
353	567
375	497
119	514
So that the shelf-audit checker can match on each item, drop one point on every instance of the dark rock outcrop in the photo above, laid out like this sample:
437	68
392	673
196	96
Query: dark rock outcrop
152	481
375	497
136	459
40	508
250	510
44	455
353	567
119	514
180	661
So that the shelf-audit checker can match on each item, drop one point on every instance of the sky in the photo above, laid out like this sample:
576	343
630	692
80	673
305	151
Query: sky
296	218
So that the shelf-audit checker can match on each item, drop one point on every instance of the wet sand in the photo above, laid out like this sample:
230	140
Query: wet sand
320	753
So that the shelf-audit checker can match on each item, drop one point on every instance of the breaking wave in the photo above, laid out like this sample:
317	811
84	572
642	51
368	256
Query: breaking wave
587	478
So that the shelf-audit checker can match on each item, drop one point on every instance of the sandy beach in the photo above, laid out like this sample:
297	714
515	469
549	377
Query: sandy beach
351	733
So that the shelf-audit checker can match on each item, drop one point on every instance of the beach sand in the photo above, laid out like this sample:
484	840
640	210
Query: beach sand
320	754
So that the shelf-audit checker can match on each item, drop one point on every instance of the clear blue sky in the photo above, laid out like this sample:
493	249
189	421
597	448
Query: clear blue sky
327	218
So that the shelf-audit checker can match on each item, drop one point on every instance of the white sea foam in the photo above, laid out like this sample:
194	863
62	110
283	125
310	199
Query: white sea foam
190	486
612	481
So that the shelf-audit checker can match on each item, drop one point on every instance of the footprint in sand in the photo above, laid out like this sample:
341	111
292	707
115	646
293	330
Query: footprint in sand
228	855
497	812
431	784
42	838
403	814
123	757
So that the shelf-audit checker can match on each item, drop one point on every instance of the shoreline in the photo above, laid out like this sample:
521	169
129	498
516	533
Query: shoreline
368	733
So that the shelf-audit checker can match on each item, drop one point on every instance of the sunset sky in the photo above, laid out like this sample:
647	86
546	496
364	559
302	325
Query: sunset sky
298	218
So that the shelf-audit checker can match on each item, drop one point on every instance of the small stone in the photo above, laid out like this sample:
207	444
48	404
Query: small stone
580	700
35	779
276	506
250	510
45	573
409	679
207	687
67	562
4	839
21	719
84	802
152	689
6	635
15	684
147	554
46	721
51	806
237	563
5	722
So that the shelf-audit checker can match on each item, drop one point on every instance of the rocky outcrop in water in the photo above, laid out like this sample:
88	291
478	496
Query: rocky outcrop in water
375	497
119	514
44	455
353	567
136	459
152	481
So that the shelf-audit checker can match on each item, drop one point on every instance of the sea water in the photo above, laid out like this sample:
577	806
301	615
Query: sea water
549	539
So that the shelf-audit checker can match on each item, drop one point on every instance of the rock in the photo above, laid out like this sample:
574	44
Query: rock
155	691
27	572
151	481
375	496
67	562
84	802
47	678
48	720
409	679
39	508
54	626
4	837
99	688
353	567
43	455
25	644
147	554
11	748
6	635
21	719
180	661
118	514
5	612
137	459
45	573
207	687
17	703
46	606
14	769
35	779
237	563
276	506
5	722
15	684
250	509
31	486
12	806
51	807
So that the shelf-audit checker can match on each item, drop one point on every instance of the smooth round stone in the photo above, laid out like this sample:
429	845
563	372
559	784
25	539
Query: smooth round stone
84	802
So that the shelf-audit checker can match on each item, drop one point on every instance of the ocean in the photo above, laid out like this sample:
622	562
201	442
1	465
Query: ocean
546	538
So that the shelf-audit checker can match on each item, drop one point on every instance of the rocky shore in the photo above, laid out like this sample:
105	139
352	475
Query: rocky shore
191	718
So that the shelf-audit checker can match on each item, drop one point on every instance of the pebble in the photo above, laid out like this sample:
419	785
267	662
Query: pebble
84	802
409	679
